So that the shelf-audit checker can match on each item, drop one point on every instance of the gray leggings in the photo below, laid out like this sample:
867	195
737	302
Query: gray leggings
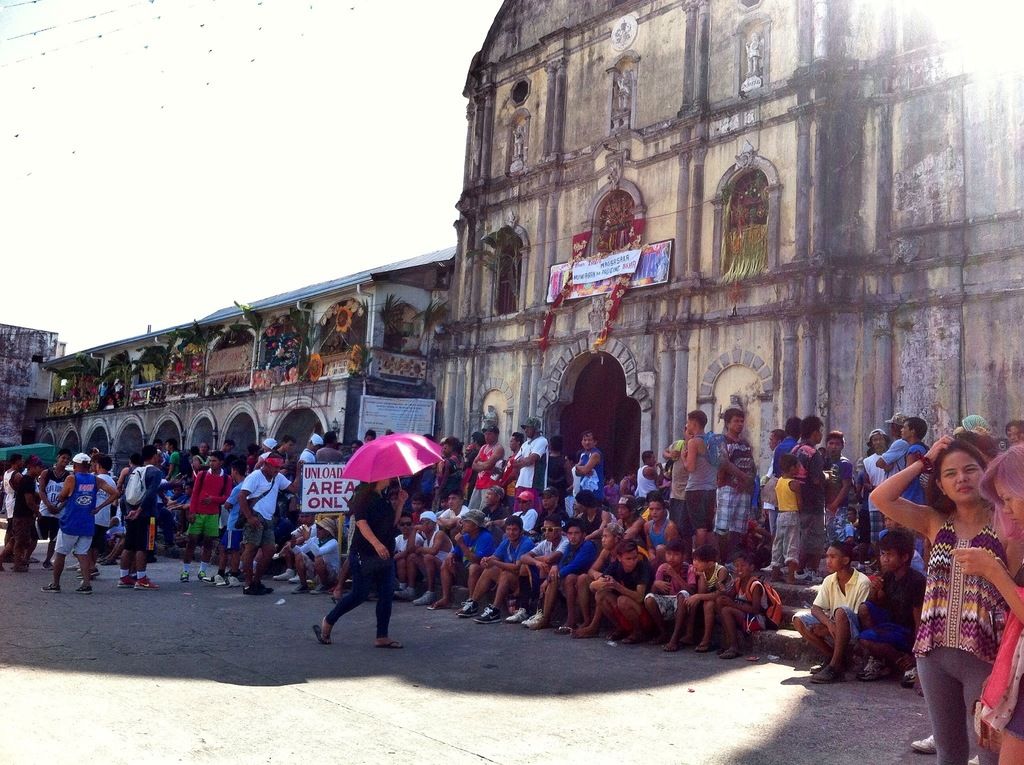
951	680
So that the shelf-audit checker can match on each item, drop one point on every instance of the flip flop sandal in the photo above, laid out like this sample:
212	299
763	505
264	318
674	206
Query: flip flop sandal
389	644
563	630
318	631
730	654
702	648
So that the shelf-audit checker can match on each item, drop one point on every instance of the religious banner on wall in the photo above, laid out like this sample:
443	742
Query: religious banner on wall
402	415
590	270
229	367
651	267
400	365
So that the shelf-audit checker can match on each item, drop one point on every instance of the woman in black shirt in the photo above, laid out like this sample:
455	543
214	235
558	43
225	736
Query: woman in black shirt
371	558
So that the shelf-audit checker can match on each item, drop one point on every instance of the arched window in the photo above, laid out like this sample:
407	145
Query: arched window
503	256
615	222
745	243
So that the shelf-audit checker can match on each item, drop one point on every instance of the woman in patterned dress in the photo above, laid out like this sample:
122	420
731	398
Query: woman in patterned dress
963	614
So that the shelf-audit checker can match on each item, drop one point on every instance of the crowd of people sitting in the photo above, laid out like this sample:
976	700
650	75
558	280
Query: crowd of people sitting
913	541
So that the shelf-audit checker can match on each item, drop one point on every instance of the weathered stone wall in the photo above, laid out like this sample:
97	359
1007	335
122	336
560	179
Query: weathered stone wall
22	379
896	183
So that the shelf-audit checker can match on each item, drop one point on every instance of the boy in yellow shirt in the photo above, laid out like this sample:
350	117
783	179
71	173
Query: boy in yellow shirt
786	547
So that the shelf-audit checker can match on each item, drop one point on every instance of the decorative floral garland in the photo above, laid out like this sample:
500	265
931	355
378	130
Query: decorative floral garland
614	302
549	317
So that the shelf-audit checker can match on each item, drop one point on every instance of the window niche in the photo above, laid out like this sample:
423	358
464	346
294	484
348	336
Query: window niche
746	218
518	141
753	40
622	81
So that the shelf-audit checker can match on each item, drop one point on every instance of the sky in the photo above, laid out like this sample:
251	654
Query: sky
160	159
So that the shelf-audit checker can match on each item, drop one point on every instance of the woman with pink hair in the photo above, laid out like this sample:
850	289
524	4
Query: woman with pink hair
1002	703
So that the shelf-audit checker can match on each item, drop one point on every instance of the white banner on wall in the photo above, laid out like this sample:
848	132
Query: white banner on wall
402	415
606	267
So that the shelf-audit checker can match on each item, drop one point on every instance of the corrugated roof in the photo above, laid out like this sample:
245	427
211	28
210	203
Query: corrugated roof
285	298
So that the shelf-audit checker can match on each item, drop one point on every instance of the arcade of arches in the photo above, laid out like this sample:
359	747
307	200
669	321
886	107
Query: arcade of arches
299	423
242	430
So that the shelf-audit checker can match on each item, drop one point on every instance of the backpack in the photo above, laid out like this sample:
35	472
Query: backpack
135	486
715	443
773	613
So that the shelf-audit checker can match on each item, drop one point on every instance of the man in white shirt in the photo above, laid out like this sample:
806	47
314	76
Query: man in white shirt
308	454
532	459
318	555
257	502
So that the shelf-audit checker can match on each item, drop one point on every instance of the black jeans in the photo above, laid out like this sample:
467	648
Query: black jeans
383	580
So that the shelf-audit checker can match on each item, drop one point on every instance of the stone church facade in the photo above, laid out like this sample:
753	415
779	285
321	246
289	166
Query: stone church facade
841	202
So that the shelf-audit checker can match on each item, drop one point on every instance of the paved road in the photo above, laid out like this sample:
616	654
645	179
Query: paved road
199	674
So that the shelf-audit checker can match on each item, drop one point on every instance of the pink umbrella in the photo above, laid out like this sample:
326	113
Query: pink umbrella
394	456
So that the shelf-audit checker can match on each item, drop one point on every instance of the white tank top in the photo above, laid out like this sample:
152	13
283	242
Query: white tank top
644	485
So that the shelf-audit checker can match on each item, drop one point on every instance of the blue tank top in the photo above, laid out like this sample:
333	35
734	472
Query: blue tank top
657	537
77	519
598	470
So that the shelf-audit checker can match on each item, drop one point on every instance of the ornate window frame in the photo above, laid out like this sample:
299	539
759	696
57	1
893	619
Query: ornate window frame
628	62
747	159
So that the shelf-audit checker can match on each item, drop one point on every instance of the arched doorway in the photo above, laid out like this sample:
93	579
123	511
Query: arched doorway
129	441
202	432
740	386
98	439
71	441
168	429
242	430
300	424
599	403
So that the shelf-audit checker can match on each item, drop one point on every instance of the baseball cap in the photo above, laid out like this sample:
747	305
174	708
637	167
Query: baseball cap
897	419
270	443
474	516
525	495
531	422
81	459
316	439
428	515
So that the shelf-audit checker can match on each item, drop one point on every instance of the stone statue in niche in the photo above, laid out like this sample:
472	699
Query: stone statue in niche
518	163
754	48
622	99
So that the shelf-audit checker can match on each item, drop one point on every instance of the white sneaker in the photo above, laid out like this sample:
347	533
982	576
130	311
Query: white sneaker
293	579
535	619
406	593
975	760
924	746
234	581
285	576
425	599
518	617
220	581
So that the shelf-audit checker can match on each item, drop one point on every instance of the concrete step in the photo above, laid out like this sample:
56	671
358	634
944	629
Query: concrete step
796	595
786	644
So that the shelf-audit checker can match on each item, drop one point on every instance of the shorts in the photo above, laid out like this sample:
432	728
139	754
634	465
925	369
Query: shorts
231	539
700	511
884	631
77	544
812	534
99	539
877	523
205	526
733	511
137	536
810	620
261	536
47	526
677	512
667	604
786	545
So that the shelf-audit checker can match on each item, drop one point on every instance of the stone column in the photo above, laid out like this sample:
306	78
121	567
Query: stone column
488	134
679	260
451	374
883	183
664	385
703	50
689	57
468	174
556	136
788	376
551	69
803	184
820	182
805	32
697	208
551	236
535	368
537	259
525	383
882	379
680	383
820	29
808	369
461	391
